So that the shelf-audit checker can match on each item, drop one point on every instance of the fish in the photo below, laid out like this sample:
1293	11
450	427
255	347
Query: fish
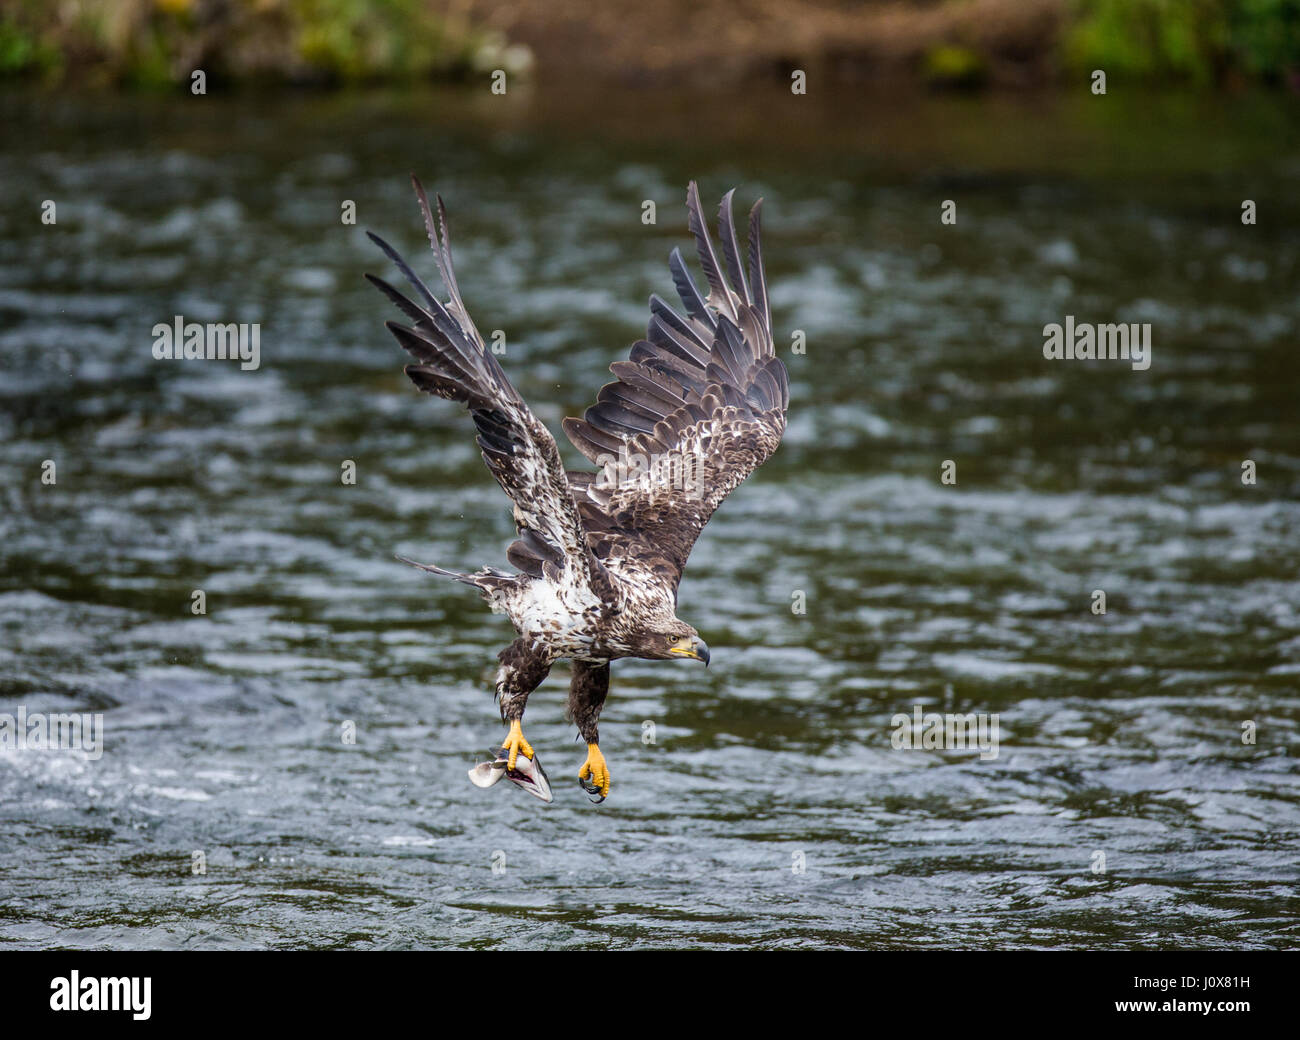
528	773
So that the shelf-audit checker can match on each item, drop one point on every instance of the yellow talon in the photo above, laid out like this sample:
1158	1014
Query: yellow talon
515	743
597	770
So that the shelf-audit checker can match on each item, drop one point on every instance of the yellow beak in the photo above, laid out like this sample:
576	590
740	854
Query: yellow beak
698	650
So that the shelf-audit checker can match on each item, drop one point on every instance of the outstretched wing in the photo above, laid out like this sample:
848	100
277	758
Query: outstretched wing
519	450
699	405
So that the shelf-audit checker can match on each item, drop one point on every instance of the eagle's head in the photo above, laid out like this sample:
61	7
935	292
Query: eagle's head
672	639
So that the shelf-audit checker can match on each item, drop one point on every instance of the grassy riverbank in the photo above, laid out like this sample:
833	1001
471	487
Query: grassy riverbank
948	43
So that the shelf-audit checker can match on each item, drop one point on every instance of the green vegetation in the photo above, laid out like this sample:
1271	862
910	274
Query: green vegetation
23	53
1200	40
951	66
159	42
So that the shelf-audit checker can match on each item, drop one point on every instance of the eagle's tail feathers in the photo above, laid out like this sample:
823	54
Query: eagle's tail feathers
468	579
488	580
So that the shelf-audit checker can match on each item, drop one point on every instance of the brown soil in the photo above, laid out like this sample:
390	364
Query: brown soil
654	41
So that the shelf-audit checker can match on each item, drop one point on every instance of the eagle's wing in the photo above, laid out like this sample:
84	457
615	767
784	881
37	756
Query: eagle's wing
519	450
699	406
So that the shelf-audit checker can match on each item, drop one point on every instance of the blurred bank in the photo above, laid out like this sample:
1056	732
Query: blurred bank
967	44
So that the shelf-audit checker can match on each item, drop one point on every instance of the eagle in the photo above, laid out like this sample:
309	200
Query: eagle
698	405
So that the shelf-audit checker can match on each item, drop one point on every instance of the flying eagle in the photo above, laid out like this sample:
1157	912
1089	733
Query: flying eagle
697	407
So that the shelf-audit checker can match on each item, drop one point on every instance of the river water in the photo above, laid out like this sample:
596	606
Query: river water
761	802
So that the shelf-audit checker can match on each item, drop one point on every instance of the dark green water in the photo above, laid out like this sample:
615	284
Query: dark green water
1119	733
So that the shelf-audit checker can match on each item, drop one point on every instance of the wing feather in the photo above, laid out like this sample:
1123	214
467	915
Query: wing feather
694	303
757	278
701	400
720	297
730	250
517	447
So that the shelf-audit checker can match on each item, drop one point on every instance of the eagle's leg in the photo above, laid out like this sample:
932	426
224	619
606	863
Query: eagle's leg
522	671
586	697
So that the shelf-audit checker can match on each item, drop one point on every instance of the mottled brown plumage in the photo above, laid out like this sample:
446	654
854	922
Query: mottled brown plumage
699	404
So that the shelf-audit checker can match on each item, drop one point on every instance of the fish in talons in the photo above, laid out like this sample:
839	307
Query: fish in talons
528	773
